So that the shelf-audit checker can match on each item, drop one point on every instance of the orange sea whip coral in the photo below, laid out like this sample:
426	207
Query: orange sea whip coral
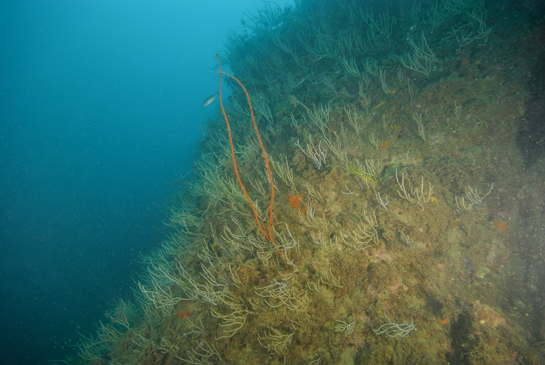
269	236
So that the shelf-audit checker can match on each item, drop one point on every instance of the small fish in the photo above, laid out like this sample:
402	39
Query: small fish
209	100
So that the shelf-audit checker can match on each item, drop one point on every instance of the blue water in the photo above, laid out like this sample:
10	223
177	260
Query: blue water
100	109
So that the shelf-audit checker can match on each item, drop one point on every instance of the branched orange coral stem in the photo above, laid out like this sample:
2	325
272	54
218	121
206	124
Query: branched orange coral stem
269	236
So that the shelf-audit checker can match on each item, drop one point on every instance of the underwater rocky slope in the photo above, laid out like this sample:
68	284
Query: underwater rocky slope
407	227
